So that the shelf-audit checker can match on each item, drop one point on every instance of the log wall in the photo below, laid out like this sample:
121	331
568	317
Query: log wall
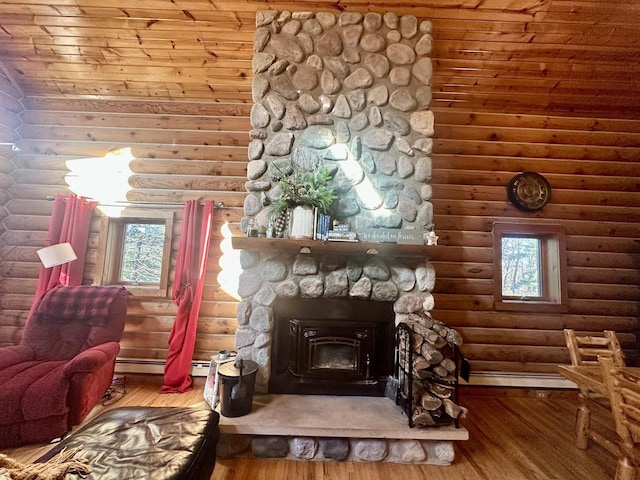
11	320
55	131
552	90
10	107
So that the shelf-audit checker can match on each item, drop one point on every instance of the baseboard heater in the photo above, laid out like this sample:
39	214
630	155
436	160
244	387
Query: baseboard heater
522	380
199	368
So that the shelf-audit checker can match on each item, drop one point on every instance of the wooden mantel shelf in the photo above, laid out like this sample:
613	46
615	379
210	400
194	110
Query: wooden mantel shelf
326	247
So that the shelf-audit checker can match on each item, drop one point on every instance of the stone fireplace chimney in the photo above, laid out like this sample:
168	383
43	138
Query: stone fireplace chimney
348	92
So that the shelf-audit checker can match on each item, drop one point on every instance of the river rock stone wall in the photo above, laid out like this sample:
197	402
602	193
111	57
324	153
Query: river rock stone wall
349	92
430	452
408	282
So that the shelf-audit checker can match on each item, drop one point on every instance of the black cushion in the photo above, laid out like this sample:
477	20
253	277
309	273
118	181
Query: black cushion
138	443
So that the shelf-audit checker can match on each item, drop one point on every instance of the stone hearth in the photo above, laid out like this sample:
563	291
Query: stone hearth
330	428
271	275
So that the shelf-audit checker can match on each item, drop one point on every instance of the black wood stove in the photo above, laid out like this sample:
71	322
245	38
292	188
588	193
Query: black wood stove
332	347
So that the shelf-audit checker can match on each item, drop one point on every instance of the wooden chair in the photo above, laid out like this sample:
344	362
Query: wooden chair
623	388
584	351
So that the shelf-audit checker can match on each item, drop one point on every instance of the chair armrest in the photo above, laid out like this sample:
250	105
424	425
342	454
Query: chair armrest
92	358
14	354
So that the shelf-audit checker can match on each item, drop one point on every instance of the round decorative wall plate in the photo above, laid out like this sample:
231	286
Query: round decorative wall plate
529	191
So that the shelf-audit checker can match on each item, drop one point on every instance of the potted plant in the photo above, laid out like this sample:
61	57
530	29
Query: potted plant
302	191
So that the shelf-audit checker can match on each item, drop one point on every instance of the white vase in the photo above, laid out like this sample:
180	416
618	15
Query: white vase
302	222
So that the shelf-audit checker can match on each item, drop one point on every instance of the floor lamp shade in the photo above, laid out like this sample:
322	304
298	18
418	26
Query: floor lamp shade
57	254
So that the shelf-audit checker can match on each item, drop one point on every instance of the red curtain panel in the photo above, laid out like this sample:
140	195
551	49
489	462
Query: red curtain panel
191	266
70	222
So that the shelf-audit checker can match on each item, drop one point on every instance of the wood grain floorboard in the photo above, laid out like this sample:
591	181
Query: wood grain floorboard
512	437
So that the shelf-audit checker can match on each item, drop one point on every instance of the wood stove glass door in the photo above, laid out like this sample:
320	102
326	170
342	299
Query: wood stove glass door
331	350
332	354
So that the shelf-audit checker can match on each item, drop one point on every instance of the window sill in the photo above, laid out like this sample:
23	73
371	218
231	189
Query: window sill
530	306
153	292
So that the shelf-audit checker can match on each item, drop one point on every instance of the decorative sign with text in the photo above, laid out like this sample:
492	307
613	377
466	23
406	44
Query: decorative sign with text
402	236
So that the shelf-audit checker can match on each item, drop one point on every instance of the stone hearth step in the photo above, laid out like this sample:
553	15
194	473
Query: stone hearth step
332	416
330	428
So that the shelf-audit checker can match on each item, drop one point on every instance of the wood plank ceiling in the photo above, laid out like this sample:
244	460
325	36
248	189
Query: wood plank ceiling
575	54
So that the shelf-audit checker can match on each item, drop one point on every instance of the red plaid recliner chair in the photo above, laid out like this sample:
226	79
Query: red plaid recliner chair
63	364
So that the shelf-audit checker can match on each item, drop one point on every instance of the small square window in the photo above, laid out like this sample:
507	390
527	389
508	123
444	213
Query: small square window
141	259
529	271
136	252
521	266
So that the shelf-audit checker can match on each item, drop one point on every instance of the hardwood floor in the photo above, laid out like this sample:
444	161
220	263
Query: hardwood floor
514	435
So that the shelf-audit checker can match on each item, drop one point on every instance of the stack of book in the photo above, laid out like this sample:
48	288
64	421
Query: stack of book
342	233
321	228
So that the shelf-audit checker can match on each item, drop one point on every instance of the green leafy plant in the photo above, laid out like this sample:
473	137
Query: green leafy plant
301	187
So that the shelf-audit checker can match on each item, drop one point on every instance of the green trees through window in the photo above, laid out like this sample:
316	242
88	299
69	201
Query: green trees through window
529	271
142	249
521	266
